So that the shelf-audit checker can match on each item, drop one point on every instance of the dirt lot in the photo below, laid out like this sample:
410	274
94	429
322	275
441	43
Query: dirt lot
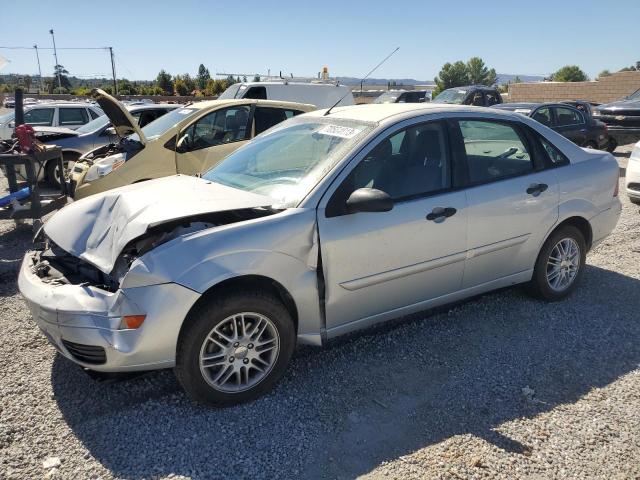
501	386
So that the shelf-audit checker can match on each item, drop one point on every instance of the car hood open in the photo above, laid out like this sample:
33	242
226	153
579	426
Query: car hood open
97	228
121	120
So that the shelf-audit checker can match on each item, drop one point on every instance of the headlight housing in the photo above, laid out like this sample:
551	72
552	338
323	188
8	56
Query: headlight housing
595	113
105	166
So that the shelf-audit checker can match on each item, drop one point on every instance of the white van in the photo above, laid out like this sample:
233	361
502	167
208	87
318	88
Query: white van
322	95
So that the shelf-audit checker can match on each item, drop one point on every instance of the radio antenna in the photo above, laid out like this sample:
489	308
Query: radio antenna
362	80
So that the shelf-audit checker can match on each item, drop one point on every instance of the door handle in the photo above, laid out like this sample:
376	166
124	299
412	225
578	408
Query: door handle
440	214
536	189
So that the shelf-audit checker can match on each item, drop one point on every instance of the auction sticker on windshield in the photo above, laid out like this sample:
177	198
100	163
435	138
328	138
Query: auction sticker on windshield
338	131
185	111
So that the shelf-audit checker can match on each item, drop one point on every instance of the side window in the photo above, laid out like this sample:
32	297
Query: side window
492	98
265	118
555	156
543	115
494	150
568	116
72	116
39	116
412	162
93	114
222	126
258	93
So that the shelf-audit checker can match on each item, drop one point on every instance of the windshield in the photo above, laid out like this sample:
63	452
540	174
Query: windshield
231	92
94	125
161	124
635	95
388	97
452	95
286	162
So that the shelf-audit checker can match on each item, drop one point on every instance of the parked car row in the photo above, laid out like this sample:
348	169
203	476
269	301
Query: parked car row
566	119
329	221
622	118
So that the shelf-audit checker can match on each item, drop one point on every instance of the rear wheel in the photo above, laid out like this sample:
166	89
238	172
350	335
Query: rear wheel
560	265
234	348
612	145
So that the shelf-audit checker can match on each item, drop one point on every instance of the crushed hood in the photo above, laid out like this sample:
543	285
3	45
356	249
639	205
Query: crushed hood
121	120
97	228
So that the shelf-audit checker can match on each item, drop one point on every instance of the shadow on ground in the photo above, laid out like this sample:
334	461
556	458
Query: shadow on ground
15	240
342	411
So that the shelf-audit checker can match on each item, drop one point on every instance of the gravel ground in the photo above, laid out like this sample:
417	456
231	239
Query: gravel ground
501	386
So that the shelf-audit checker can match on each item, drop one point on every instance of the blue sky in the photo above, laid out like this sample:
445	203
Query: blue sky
533	37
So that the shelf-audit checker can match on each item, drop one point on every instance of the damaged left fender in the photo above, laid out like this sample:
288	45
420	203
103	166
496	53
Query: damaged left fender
281	247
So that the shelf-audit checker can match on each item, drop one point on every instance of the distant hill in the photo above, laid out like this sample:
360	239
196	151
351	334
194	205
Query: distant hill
502	79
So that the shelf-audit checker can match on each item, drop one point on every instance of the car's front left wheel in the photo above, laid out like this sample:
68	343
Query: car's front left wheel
234	347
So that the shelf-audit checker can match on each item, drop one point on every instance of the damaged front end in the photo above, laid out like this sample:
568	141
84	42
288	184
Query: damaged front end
55	266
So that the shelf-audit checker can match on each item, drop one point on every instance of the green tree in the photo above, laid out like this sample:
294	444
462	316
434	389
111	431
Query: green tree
256	78
64	79
179	86
604	73
164	82
479	74
125	87
569	73
203	77
451	75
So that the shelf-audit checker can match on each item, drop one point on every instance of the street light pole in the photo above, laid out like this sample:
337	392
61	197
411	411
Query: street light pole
55	54
39	70
113	71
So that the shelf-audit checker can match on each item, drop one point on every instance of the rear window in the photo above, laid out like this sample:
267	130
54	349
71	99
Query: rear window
72	116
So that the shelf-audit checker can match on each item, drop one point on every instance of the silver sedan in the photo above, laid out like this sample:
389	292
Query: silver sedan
327	223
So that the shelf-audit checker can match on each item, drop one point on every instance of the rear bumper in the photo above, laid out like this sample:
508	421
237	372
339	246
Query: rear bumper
83	321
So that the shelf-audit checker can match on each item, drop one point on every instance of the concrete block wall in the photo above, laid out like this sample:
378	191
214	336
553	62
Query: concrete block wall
607	89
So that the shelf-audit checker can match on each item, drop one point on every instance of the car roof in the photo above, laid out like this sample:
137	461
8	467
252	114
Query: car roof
470	87
381	112
248	101
285	82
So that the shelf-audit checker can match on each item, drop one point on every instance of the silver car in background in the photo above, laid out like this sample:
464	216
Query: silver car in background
95	134
327	223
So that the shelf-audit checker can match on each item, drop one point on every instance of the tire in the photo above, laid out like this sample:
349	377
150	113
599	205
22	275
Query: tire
202	336
612	145
540	286
52	175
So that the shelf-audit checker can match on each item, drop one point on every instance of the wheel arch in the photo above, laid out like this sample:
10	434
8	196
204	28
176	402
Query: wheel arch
246	282
581	223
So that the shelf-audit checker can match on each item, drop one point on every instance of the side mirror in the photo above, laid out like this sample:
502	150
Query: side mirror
369	200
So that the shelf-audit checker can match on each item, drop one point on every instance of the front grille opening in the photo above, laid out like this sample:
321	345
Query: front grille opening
634	186
86	353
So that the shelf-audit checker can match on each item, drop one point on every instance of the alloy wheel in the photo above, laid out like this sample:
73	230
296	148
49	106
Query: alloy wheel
563	264
239	352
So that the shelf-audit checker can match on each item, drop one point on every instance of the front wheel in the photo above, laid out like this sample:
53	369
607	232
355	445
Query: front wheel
560	265
234	348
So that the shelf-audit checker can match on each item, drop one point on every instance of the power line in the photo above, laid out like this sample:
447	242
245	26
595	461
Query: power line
59	48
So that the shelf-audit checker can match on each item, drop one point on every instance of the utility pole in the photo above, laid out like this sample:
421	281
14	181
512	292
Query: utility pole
113	70
39	70
55	55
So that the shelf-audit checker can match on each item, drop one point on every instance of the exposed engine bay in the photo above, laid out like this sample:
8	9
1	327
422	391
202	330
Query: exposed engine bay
54	265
